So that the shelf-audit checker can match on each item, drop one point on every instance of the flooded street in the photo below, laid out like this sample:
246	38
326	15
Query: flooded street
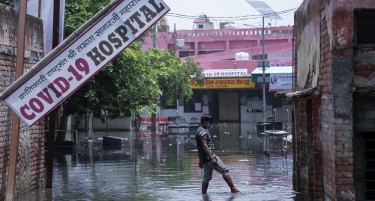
163	168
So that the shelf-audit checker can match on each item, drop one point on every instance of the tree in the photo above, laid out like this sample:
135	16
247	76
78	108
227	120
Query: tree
125	86
78	12
6	2
174	74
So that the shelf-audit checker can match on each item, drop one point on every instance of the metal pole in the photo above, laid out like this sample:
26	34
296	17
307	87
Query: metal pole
39	8
153	115
53	115
264	76
12	168
265	141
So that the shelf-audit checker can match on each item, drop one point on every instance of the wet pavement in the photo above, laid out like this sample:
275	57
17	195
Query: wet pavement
165	167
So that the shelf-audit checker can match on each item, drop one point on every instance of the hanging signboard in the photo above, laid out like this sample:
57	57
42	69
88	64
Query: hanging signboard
84	57
226	73
224	83
281	81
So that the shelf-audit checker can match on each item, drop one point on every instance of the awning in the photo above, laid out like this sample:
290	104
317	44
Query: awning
301	93
273	69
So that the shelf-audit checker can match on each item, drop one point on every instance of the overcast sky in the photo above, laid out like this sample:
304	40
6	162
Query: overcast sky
228	8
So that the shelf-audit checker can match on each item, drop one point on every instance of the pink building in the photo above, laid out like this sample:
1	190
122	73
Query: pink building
223	51
216	48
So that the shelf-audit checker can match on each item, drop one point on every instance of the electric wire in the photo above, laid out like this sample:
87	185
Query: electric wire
268	16
243	17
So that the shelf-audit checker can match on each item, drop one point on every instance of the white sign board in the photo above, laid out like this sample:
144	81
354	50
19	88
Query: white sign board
226	73
281	81
84	57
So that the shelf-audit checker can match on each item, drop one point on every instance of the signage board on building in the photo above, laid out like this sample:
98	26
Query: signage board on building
226	73
224	83
257	74
84	57
281	81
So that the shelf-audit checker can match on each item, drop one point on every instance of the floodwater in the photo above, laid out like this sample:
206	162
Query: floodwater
165	167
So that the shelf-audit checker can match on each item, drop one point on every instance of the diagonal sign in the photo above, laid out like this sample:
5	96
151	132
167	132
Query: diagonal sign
80	60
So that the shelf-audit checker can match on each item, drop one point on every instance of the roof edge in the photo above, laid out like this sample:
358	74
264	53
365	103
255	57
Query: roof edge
300	93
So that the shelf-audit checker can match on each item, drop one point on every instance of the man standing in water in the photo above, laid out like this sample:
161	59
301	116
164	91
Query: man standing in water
207	159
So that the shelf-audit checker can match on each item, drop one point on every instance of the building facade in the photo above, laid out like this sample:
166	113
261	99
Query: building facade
228	56
334	100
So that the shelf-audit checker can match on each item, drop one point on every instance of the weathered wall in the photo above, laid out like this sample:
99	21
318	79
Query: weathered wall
341	70
338	70
30	167
316	155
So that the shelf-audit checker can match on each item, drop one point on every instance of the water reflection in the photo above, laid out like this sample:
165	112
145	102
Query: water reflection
166	168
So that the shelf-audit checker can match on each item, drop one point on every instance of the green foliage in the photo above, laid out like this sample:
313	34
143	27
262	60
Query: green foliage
6	2
173	74
125	87
78	12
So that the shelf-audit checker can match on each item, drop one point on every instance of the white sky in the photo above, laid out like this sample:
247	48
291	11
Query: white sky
228	8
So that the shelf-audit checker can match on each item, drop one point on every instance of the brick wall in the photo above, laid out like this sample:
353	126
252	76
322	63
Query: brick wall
300	167
30	166
329	128
316	177
326	130
342	27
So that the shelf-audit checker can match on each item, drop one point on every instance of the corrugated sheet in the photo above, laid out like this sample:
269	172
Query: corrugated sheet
273	69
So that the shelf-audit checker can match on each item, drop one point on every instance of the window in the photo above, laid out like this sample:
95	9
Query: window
195	103
259	57
364	23
184	53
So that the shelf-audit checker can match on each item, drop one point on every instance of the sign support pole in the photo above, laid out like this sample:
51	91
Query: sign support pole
53	114
265	141
263	74
12	167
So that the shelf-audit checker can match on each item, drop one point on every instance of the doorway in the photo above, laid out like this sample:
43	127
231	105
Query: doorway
229	118
364	147
229	107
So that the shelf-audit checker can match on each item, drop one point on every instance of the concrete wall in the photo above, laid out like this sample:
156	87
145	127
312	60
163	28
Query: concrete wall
30	167
323	128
